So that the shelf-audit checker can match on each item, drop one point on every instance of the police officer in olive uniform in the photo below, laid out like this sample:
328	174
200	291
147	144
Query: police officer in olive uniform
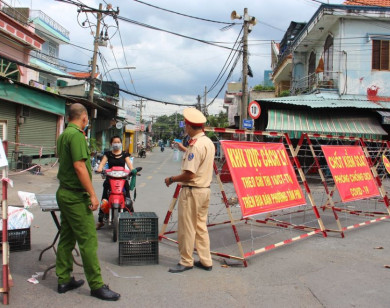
76	199
197	172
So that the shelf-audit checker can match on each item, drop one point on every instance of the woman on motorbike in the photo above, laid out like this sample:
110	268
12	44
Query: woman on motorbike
115	157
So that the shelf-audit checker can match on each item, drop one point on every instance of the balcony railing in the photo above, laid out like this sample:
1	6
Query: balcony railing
48	20
326	80
48	59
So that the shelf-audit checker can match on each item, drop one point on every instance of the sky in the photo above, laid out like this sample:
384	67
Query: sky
168	67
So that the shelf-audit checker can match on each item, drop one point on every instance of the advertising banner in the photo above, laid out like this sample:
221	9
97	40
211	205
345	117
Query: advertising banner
351	172
263	176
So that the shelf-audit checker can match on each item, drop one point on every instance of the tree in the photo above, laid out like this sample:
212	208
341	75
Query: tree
220	120
260	87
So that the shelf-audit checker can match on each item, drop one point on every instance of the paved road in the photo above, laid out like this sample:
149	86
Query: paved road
315	272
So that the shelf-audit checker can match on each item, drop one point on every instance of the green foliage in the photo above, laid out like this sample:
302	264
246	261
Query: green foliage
284	93
220	120
94	145
167	127
260	87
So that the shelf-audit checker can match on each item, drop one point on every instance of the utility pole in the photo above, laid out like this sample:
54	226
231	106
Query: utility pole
198	106
205	112
244	97
93	70
140	105
249	22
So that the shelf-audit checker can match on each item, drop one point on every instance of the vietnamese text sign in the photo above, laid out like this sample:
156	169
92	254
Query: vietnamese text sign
350	171
263	176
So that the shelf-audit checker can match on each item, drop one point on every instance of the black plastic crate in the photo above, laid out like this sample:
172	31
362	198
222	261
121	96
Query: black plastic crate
138	252
138	238
18	239
138	226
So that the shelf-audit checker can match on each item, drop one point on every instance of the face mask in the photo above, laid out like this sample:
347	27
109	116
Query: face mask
86	126
116	146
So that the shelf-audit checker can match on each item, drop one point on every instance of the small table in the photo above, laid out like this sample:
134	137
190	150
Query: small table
48	203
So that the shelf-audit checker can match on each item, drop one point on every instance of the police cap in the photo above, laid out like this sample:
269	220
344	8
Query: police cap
194	117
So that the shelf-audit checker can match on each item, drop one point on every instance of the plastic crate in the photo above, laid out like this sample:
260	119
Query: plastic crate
138	238
138	226
138	252
18	239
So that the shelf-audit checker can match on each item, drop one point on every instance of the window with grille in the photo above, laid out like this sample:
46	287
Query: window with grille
380	55
9	69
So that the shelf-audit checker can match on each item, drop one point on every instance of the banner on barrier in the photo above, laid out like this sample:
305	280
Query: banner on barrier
263	176
386	162
351	172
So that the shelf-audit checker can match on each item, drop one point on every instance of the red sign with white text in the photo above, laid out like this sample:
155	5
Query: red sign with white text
263	176
351	172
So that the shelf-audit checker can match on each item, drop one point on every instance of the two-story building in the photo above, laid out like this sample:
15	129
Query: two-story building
337	66
34	116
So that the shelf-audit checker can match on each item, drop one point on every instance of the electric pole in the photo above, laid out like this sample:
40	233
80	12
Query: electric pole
244	97
93	70
205	112
249	22
140	105
198	106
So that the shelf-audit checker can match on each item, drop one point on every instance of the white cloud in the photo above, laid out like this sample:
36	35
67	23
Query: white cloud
172	68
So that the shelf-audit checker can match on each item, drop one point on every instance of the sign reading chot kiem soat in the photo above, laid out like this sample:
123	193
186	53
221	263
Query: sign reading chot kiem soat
351	172
263	177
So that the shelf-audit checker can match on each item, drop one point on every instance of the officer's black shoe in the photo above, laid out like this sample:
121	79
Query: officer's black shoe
105	294
179	268
72	284
200	265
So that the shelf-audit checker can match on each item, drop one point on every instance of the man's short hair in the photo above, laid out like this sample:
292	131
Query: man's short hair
76	111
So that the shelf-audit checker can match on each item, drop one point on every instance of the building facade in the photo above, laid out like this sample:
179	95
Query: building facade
338	70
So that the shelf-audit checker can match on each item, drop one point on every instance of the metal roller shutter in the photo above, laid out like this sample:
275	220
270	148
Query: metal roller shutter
39	130
8	113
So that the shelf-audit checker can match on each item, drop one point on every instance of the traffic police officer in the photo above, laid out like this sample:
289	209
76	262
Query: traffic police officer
197	172
76	199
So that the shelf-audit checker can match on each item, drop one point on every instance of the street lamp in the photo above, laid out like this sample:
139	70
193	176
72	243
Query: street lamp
118	68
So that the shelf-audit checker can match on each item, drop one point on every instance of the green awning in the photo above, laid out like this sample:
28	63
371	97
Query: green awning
295	122
29	96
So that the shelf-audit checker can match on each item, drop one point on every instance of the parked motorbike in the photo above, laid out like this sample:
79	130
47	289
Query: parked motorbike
142	152
117	201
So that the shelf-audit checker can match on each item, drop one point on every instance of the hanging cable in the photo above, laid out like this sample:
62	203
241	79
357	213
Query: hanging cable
226	65
189	16
170	32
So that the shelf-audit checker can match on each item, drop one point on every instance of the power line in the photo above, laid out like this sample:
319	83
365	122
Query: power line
185	15
28	24
155	100
41	70
124	54
225	66
227	78
170	32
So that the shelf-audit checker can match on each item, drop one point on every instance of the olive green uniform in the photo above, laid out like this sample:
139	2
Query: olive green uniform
77	221
194	201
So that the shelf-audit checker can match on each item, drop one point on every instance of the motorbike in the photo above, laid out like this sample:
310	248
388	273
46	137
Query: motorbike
162	148
142	152
117	201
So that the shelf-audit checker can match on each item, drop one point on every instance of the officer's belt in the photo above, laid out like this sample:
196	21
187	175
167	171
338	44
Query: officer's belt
73	189
191	187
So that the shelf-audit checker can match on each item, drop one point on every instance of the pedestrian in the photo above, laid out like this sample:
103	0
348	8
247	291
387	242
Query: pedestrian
119	158
196	175
77	200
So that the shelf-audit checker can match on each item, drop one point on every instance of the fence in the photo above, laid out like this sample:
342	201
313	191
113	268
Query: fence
254	234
